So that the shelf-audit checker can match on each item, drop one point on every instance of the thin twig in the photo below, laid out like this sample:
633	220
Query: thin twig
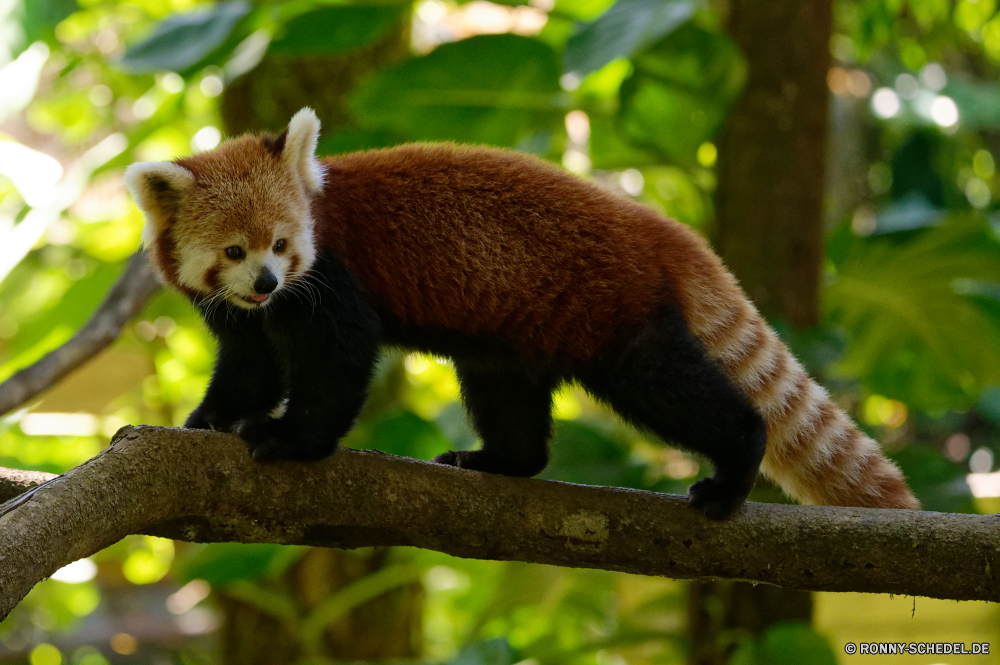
129	294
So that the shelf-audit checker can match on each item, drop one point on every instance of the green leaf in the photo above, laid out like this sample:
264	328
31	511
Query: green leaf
495	89
914	335
626	28
585	453
226	563
976	101
785	643
55	321
681	91
336	29
40	17
610	149
399	432
911	211
673	192
989	404
351	140
582	10
492	652
182	41
940	484
353	595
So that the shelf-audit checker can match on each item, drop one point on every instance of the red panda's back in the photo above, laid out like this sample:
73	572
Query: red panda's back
490	242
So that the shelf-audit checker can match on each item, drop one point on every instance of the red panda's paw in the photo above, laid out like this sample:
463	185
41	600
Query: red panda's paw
490	462
206	418
274	439
450	458
718	500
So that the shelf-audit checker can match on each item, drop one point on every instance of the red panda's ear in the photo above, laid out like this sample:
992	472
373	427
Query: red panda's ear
158	189
299	151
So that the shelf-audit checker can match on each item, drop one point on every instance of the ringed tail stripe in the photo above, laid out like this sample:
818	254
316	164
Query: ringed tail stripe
814	451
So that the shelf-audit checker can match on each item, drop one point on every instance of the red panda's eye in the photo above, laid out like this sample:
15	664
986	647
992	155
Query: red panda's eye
235	252
279	246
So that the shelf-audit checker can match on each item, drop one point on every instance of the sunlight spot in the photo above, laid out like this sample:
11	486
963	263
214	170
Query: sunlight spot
983	164
60	424
45	654
944	111
445	578
576	161
707	154
416	363
188	596
933	76
907	86
144	108
124	644
984	485
977	192
33	174
565	405
431	11
885	103
569	81
77	572
631	181
19	79
578	126
211	86
100	95
981	461
171	82
957	447
206	138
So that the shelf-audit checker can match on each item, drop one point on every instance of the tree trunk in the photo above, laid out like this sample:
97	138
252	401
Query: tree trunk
772	155
387	627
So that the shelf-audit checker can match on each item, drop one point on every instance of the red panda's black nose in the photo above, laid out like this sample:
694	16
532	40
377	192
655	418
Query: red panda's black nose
266	282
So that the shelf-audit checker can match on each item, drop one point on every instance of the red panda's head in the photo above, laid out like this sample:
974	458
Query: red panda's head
233	223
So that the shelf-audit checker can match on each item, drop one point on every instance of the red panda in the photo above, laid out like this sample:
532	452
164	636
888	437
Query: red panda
525	275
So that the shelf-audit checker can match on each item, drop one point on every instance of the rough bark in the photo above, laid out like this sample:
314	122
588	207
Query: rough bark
772	156
202	486
129	294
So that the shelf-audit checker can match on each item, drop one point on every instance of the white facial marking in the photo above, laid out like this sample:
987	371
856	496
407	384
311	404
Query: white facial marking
195	260
305	244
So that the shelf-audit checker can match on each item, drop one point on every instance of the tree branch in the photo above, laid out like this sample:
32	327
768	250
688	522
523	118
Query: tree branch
129	294
202	486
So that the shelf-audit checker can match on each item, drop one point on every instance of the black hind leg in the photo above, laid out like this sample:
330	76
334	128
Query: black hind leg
665	382
512	412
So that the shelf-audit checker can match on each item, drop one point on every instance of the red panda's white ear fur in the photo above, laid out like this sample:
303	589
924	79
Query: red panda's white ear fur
299	152
158	189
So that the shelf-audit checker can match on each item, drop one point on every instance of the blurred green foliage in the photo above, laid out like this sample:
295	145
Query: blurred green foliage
631	93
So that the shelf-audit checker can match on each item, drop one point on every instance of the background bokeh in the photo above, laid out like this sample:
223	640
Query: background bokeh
632	94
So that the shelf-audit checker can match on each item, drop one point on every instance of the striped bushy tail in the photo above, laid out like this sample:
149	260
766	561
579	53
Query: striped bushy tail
814	451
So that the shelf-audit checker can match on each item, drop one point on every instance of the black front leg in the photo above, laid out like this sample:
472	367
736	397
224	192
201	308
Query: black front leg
329	353
247	378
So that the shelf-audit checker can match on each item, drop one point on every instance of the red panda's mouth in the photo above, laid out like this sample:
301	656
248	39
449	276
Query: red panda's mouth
259	299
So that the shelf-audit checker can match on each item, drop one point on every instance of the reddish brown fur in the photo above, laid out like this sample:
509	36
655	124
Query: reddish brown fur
495	244
233	177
